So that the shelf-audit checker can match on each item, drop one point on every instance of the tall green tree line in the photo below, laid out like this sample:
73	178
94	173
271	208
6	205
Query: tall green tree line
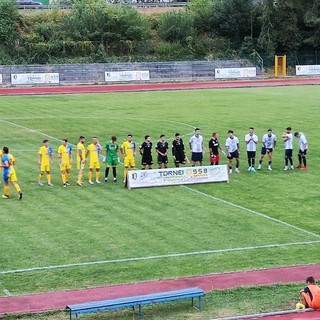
93	31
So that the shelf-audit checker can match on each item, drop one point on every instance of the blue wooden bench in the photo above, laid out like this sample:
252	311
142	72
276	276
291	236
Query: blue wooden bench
138	301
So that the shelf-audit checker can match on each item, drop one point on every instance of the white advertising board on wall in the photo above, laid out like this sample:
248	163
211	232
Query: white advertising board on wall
0	78
125	76
231	73
308	70
34	78
177	176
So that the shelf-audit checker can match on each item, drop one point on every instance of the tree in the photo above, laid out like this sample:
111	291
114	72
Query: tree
9	24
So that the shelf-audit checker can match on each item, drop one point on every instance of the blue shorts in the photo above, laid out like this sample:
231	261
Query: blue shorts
6	174
234	154
196	156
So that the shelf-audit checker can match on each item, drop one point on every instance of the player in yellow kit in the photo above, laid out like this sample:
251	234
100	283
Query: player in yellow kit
81	159
45	159
65	160
128	150
93	152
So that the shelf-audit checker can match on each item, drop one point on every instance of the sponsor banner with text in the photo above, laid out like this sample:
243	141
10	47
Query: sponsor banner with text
177	176
0	78
125	76
34	78
308	70
231	73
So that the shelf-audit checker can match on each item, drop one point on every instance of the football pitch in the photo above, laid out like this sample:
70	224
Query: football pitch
76	237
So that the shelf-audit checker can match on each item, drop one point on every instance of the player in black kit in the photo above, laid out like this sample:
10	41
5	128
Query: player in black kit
162	150
214	148
145	151
178	152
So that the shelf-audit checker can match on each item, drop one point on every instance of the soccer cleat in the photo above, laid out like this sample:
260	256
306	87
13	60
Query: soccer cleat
253	169
4	196
114	179
90	182
79	183
105	180
40	183
67	183
292	167
20	195
97	181
249	169
50	184
259	166
303	168
64	185
230	171
285	168
269	168
124	180
237	170
299	166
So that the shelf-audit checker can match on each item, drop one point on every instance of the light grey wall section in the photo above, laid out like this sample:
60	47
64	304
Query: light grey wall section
159	71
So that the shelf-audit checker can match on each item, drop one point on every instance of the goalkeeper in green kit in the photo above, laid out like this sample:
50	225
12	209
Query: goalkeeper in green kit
112	158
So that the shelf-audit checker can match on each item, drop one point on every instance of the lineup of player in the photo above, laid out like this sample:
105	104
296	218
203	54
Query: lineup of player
94	153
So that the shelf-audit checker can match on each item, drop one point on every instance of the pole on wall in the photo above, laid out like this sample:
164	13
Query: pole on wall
280	66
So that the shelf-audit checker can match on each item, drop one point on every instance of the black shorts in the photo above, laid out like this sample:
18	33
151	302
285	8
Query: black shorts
162	159
288	153
303	152
146	160
196	156
265	150
251	154
234	154
180	158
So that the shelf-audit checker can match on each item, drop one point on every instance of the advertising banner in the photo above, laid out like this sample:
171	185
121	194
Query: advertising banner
177	176
0	78
125	76
231	73
34	78
308	70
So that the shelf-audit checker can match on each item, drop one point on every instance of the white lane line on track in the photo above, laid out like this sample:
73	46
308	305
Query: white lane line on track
166	256
262	215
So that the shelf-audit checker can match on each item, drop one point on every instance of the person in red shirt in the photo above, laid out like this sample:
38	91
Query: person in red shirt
310	295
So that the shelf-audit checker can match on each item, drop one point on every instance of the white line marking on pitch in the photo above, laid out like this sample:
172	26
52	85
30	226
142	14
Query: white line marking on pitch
251	211
174	255
28	129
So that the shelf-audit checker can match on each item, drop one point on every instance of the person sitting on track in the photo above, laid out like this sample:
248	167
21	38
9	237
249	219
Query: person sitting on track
310	296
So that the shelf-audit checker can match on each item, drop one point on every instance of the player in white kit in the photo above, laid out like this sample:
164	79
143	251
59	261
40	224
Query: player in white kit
269	141
303	147
251	139
233	152
288	142
197	147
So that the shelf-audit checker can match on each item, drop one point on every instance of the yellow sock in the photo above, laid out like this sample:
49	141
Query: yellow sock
79	177
40	177
63	177
125	172
49	178
90	175
6	190
17	187
97	175
67	176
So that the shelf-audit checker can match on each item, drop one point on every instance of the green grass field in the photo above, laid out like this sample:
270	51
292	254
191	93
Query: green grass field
275	220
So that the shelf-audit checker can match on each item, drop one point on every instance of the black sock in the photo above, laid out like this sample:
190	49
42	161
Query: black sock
107	172
114	171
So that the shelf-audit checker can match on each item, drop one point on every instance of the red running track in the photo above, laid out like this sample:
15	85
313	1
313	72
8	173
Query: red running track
155	86
58	300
